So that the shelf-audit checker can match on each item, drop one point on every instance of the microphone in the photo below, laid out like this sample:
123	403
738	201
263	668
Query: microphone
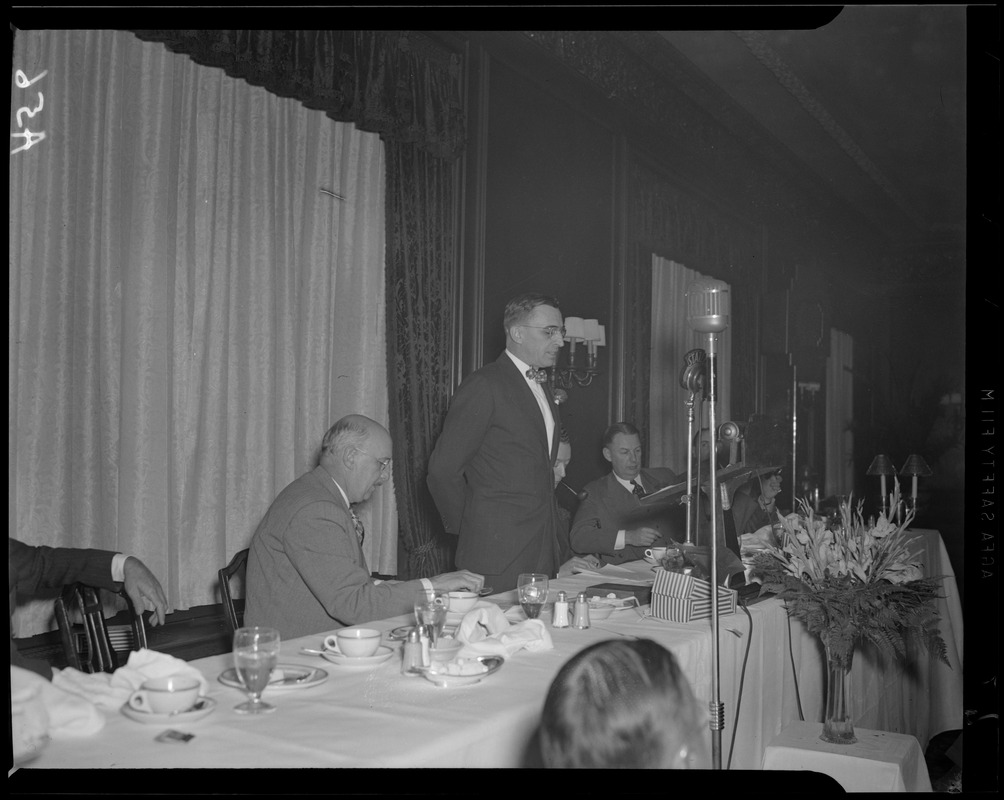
579	495
708	305
692	376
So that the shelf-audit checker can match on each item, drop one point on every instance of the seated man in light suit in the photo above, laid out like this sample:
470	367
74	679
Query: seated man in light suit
32	569
306	572
600	524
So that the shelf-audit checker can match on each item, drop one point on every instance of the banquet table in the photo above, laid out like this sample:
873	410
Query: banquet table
380	718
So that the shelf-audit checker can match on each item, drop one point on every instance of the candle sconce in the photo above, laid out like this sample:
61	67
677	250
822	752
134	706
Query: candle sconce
593	335
915	467
882	466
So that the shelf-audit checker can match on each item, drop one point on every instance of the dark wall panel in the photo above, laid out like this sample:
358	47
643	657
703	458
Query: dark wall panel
548	229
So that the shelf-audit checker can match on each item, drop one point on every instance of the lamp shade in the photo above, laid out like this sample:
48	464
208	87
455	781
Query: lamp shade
602	341
915	465
574	330
881	465
591	330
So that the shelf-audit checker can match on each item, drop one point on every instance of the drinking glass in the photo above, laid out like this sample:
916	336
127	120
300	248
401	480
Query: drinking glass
430	609
531	588
256	652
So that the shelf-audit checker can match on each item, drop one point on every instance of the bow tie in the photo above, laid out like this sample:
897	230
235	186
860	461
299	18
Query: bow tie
538	374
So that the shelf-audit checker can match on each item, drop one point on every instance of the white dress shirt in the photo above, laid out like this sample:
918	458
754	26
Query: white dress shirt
538	392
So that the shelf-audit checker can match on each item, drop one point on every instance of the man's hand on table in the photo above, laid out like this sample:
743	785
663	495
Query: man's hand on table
578	564
458	581
641	537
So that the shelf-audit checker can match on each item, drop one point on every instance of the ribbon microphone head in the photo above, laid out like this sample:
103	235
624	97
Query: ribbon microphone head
692	376
708	305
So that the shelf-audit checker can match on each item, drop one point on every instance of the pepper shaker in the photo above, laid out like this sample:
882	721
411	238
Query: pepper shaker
560	618
581	612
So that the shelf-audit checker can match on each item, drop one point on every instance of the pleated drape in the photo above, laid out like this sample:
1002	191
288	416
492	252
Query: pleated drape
188	312
672	339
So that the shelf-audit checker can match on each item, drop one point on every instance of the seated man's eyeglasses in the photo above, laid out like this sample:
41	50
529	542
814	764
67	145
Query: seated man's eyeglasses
383	462
550	330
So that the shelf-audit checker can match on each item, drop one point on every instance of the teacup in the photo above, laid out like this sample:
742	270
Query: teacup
167	695
654	555
462	602
445	650
354	642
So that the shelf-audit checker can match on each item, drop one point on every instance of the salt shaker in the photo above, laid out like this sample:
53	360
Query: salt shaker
560	618
581	612
411	658
423	636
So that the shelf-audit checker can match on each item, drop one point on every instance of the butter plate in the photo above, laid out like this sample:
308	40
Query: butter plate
292	676
447	681
203	708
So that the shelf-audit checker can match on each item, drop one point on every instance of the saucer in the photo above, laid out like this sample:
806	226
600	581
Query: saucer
401	633
202	708
293	677
379	657
447	681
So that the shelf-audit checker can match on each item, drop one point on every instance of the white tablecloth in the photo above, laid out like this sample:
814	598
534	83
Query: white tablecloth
380	718
878	761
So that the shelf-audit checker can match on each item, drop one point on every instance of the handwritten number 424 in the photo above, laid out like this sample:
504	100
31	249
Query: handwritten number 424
30	137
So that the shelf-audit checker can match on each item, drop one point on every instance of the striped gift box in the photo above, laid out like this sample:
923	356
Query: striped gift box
684	598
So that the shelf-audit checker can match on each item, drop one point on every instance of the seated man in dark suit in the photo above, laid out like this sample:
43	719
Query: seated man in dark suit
570	562
603	525
755	505
31	569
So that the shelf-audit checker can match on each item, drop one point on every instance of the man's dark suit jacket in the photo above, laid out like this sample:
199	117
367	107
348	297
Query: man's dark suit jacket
609	506
31	569
492	479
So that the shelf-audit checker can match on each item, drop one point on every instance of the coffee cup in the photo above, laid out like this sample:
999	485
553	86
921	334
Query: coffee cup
354	642
462	601
167	695
654	555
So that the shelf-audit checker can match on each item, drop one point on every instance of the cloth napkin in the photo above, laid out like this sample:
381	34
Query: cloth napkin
40	710
485	631
110	692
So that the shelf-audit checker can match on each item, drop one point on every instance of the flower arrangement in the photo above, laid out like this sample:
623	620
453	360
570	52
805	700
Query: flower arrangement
852	582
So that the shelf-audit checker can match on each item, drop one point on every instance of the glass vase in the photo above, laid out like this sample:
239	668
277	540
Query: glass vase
838	727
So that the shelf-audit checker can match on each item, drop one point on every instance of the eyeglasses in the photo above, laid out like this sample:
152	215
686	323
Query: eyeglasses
383	462
549	330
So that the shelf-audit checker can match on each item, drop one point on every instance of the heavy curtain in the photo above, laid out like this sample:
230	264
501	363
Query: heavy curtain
187	311
672	338
839	415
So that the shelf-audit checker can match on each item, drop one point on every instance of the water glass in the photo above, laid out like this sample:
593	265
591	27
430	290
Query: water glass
430	610
531	589
256	653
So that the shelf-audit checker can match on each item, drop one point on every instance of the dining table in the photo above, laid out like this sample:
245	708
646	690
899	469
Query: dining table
771	672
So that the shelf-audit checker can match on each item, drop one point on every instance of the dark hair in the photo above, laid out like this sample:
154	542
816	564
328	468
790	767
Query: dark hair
619	703
521	306
619	427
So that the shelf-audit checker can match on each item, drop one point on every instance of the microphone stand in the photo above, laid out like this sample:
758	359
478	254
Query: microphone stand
690	470
715	705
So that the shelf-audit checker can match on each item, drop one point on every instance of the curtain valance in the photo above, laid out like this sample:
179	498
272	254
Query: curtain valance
400	84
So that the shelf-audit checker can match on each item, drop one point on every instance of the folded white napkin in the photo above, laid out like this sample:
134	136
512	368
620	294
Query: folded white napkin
485	631
39	709
110	692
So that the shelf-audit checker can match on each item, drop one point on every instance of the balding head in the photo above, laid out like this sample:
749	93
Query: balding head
356	451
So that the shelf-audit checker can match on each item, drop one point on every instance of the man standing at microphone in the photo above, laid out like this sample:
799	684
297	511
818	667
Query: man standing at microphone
491	472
